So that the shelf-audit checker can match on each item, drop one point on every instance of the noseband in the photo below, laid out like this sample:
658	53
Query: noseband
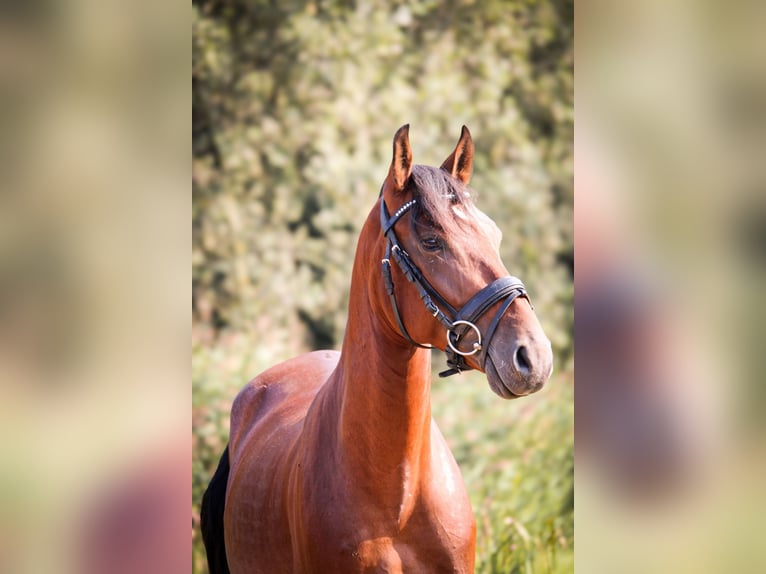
457	322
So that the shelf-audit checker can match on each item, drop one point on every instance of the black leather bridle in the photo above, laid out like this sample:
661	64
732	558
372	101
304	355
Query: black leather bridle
458	322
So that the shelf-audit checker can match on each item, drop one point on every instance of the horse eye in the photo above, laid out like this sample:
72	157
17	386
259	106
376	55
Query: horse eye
431	243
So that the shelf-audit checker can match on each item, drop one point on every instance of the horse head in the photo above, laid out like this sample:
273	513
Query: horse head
447	285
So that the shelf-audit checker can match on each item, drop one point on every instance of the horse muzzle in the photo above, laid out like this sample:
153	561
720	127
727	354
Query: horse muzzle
520	367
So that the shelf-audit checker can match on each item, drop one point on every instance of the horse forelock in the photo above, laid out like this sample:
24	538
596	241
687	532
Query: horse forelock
438	195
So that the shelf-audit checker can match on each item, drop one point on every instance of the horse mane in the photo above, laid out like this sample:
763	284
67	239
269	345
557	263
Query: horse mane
437	193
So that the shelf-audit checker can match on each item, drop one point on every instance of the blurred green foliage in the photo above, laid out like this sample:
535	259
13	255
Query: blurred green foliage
295	104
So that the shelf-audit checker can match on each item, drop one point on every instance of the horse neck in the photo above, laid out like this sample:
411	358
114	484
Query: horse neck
385	389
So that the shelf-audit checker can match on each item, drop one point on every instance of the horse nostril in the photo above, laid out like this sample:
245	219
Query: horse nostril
521	360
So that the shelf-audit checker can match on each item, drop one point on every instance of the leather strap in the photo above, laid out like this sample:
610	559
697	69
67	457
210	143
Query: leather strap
505	289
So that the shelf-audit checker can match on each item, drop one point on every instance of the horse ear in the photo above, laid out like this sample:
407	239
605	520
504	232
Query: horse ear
460	162
401	164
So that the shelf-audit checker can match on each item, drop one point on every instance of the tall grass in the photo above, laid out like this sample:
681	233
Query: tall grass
517	462
516	457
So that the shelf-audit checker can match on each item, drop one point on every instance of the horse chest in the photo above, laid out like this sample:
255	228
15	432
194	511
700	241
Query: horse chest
359	535
405	552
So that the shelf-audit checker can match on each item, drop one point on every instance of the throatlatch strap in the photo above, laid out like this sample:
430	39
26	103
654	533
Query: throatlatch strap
388	280
411	272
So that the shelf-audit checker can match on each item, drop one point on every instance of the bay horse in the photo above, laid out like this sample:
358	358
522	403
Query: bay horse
334	464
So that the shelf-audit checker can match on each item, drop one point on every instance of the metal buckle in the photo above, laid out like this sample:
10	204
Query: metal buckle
476	345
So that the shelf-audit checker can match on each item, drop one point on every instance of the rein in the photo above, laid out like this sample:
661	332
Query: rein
457	322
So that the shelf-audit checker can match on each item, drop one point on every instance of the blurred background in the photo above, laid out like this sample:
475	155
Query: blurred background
294	109
294	106
669	224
